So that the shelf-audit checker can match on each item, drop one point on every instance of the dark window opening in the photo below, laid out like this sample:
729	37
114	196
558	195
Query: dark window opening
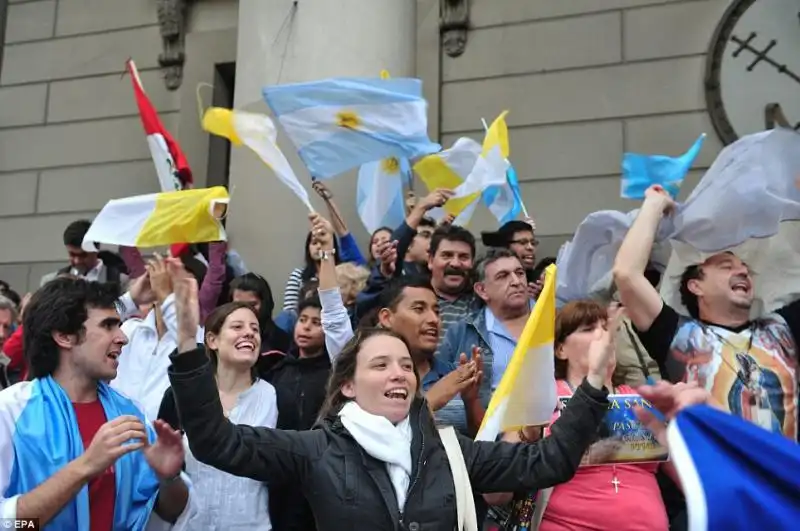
219	149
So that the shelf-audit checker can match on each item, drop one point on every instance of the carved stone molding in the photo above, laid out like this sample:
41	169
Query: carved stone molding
755	51
172	21
454	26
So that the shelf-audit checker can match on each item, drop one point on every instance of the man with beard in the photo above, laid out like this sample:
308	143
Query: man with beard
718	346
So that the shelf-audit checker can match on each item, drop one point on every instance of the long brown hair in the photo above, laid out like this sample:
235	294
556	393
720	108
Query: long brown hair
571	318
344	370
216	320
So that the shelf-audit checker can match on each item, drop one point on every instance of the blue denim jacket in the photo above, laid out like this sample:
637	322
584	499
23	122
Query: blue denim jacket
461	337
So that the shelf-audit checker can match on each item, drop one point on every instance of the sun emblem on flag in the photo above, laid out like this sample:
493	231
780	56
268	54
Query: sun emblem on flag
390	165
348	120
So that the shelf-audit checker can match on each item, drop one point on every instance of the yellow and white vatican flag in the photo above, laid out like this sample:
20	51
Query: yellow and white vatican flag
526	395
491	166
154	220
449	169
256	131
468	168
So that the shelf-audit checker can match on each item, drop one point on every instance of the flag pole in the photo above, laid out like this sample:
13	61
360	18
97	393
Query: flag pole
514	190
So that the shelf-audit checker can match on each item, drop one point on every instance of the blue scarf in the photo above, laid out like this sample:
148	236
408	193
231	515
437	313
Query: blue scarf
47	438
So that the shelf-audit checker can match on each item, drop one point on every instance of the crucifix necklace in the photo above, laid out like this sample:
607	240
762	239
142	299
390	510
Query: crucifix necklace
616	482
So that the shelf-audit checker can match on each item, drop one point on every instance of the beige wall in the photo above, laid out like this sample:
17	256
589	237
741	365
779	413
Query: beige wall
70	135
584	81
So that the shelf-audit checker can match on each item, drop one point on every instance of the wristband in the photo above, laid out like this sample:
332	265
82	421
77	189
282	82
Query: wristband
326	255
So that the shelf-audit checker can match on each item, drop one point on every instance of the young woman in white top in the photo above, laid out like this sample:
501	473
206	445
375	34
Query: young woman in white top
232	347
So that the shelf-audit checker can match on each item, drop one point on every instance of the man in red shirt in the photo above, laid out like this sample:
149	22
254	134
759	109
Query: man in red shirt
75	453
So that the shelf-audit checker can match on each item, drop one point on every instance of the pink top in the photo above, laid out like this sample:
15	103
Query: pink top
589	501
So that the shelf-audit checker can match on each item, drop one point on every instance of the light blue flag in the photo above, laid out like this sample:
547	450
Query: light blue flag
639	172
339	124
746	195
736	476
504	201
39	435
379	196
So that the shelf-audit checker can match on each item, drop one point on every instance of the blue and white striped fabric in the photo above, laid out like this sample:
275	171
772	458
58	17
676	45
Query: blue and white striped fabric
639	172
747	197
735	475
39	436
379	196
504	201
338	124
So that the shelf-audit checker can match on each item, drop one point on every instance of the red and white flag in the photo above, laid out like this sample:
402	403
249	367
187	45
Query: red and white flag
171	164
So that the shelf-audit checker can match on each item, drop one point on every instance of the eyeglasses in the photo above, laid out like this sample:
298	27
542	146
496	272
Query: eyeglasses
526	242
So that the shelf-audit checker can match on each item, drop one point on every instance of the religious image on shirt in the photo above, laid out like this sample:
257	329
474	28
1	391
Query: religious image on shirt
752	379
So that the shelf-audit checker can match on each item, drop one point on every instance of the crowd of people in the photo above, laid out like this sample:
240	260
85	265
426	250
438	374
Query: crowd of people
145	391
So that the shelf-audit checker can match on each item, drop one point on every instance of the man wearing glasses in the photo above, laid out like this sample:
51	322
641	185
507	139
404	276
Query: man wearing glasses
520	239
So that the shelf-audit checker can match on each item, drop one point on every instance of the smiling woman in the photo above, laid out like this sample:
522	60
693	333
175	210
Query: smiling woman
376	436
232	346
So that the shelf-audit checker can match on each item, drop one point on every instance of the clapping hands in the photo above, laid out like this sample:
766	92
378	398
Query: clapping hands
187	305
602	351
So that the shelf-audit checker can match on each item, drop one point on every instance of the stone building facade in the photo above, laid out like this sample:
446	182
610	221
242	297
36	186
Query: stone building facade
584	81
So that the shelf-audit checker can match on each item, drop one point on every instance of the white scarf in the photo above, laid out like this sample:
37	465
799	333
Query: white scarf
384	441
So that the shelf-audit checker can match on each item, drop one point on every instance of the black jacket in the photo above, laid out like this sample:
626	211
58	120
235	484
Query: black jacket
300	388
347	488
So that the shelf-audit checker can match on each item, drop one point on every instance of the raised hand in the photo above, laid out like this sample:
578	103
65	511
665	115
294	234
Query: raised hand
602	352
452	384
187	305
535	288
656	194
322	190
166	455
669	399
436	198
114	439
160	281
471	392
387	256
321	230
141	291
448	219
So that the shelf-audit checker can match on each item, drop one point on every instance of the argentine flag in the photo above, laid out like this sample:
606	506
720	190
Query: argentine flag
39	436
639	172
735	475
379	196
338	124
504	201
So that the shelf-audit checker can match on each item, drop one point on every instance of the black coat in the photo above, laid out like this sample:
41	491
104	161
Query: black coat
300	389
348	489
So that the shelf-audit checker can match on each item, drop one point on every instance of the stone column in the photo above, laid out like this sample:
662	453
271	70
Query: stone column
285	41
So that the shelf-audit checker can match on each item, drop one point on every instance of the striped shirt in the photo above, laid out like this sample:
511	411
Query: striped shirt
453	311
291	293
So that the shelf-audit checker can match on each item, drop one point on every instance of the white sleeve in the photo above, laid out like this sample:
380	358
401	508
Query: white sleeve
335	321
272	413
12	402
126	307
187	521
